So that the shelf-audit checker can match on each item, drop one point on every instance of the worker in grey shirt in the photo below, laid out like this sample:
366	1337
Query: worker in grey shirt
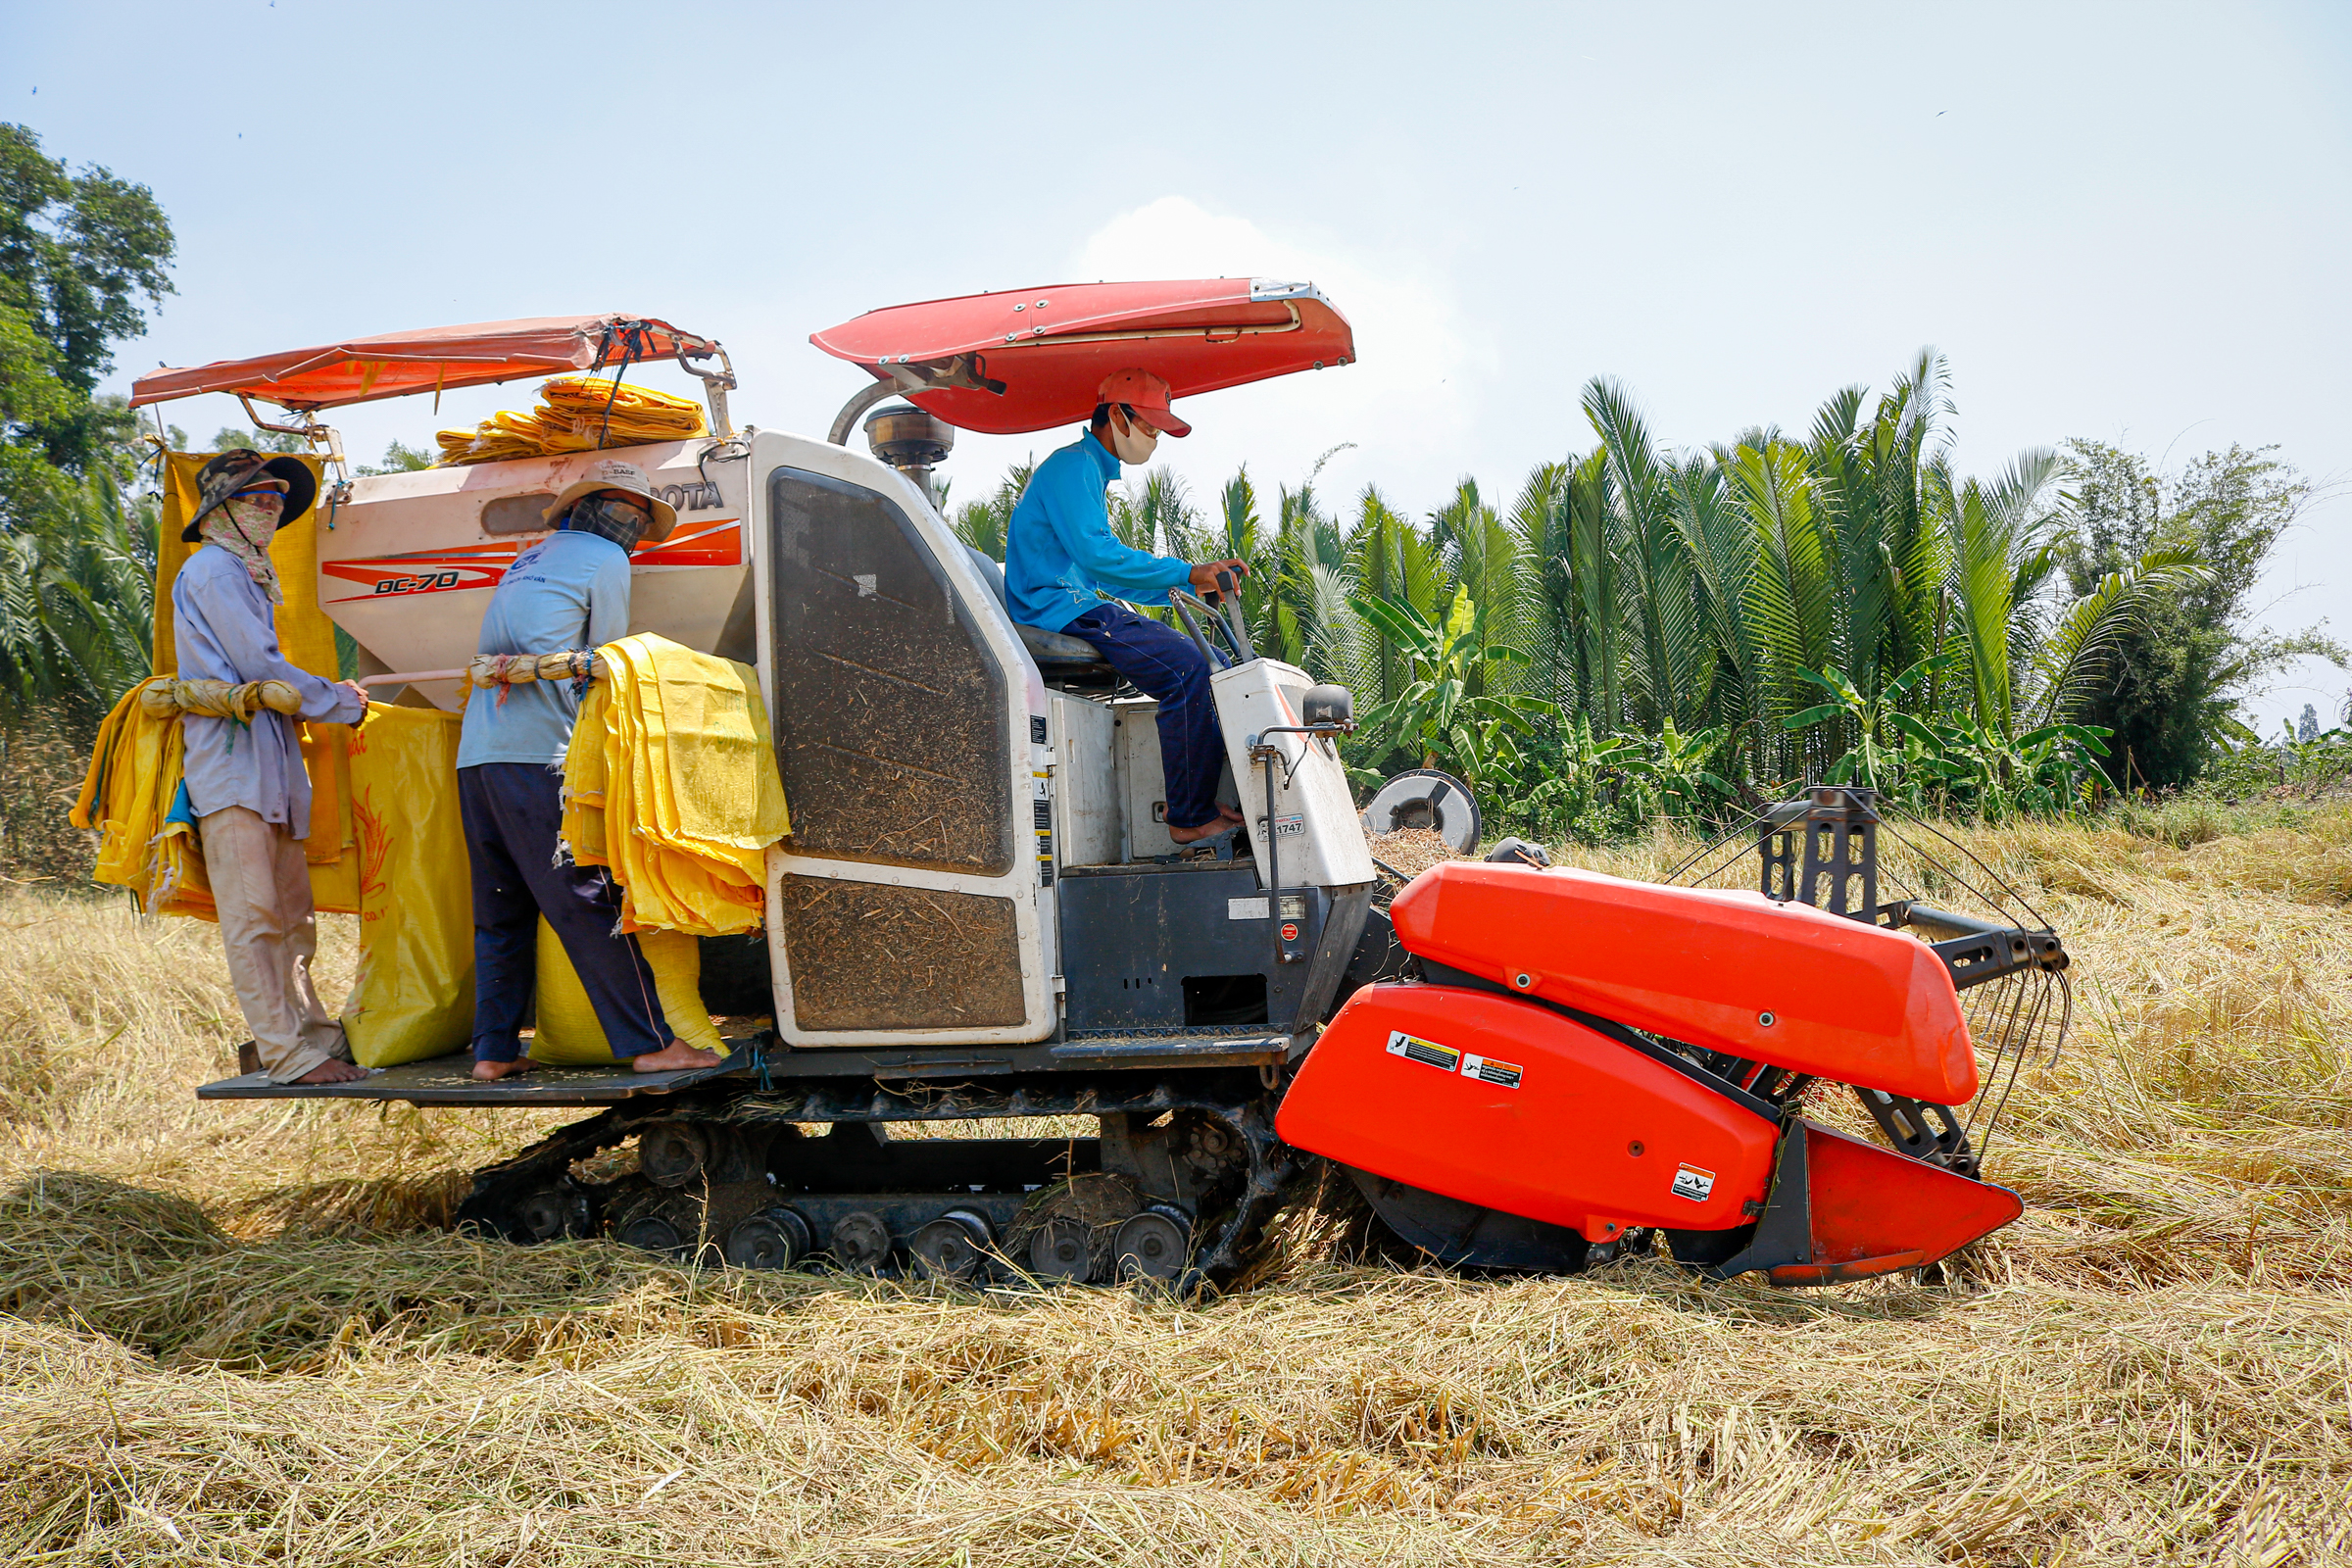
245	782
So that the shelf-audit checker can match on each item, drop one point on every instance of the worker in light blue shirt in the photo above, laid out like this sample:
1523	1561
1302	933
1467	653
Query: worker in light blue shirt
1060	557
568	591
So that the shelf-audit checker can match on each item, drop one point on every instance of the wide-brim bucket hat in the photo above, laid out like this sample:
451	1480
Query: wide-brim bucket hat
610	473
243	468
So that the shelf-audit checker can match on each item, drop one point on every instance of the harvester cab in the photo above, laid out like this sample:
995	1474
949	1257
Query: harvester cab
979	914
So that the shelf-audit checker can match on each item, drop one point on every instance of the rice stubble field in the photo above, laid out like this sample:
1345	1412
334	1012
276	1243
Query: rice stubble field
244	1334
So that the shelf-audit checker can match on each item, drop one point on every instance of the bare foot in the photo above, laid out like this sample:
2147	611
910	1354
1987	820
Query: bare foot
333	1071
1225	821
490	1072
675	1058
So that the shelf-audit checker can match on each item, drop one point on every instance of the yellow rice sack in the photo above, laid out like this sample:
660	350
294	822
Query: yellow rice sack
413	995
569	1032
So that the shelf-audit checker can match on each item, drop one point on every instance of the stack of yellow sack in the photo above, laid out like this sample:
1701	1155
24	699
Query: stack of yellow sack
671	781
577	413
571	411
499	437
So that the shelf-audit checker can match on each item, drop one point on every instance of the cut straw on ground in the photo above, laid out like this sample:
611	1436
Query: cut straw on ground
242	1333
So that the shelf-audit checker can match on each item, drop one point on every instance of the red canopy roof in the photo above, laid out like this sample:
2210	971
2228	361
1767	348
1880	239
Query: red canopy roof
1050	347
363	369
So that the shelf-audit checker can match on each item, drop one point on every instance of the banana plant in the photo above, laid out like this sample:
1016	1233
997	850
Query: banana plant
1682	771
1438	699
1874	759
2041	772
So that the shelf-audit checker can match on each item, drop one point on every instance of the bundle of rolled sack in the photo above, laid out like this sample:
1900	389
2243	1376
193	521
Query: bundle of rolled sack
218	698
517	669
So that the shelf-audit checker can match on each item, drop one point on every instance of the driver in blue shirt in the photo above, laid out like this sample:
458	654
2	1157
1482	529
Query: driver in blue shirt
1061	558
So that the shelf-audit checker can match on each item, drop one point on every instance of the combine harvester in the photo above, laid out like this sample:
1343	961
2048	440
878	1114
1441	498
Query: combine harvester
979	913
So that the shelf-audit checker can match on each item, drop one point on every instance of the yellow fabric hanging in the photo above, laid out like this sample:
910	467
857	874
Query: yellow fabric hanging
303	633
671	781
126	798
415	992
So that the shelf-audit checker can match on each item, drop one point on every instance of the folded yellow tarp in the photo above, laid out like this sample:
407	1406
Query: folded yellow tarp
671	781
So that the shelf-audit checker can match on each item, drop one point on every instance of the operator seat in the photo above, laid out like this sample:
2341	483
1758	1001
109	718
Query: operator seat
1058	656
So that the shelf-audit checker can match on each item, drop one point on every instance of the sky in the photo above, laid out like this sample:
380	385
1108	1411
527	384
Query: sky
2128	222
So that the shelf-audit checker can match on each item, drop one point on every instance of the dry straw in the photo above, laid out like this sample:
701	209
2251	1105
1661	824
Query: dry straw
237	1334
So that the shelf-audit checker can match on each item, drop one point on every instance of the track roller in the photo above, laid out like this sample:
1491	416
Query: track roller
653	1234
1061	1248
953	1246
777	1238
672	1153
860	1242
555	1210
1152	1246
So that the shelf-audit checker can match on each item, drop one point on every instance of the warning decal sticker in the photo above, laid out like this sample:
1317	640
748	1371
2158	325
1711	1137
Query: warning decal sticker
1486	1070
1694	1184
1427	1053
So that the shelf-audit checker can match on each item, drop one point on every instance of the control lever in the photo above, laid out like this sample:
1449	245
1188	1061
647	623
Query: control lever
1180	600
1231	606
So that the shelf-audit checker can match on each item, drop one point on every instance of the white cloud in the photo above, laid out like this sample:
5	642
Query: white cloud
1408	404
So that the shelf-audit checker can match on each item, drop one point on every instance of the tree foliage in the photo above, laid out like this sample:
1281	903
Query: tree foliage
81	256
1646	631
2179	667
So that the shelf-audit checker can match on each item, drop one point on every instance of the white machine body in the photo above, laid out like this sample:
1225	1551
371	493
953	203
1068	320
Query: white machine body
758	569
408	564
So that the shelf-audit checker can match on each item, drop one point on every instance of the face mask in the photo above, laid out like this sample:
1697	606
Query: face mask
1135	445
607	519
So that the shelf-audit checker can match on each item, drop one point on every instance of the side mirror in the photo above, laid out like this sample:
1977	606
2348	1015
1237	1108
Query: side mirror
1327	704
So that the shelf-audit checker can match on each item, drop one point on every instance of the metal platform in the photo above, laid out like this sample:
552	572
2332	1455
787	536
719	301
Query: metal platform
449	1080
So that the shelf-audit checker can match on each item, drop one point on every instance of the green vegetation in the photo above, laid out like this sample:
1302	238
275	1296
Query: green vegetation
1648	632
78	254
2183	663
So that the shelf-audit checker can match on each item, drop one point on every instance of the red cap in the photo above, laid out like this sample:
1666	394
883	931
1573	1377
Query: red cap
1147	394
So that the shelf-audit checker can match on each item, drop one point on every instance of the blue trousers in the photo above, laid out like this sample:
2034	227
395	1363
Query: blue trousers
1164	664
513	812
